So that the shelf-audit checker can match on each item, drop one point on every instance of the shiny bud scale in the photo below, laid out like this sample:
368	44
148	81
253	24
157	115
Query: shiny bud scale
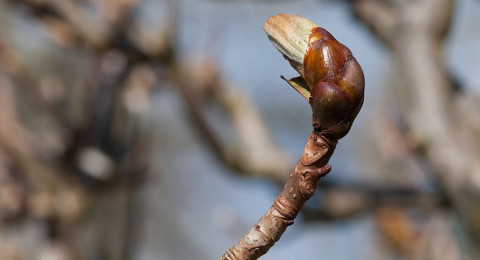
331	78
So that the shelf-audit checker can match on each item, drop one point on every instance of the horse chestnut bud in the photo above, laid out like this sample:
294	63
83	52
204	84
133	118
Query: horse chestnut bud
330	77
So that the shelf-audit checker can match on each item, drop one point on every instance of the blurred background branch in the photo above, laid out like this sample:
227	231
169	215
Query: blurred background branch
415	32
78	133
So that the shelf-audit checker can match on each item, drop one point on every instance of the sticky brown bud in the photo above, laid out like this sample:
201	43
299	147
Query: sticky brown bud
324	58
331	78
337	84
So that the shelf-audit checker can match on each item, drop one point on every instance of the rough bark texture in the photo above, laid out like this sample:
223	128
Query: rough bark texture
299	188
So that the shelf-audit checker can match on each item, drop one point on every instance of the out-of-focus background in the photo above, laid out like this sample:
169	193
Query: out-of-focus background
135	129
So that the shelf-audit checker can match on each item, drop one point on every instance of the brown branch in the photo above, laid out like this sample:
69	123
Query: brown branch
300	186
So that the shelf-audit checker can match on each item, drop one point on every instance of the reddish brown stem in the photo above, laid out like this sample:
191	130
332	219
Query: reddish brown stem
300	186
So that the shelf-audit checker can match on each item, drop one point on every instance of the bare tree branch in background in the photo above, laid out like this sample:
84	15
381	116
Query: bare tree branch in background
74	145
74	137
442	131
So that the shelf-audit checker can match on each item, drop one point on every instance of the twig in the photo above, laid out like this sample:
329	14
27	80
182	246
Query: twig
300	186
333	83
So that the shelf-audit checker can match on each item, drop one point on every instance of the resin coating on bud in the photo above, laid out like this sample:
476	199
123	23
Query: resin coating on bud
336	81
331	79
332	109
